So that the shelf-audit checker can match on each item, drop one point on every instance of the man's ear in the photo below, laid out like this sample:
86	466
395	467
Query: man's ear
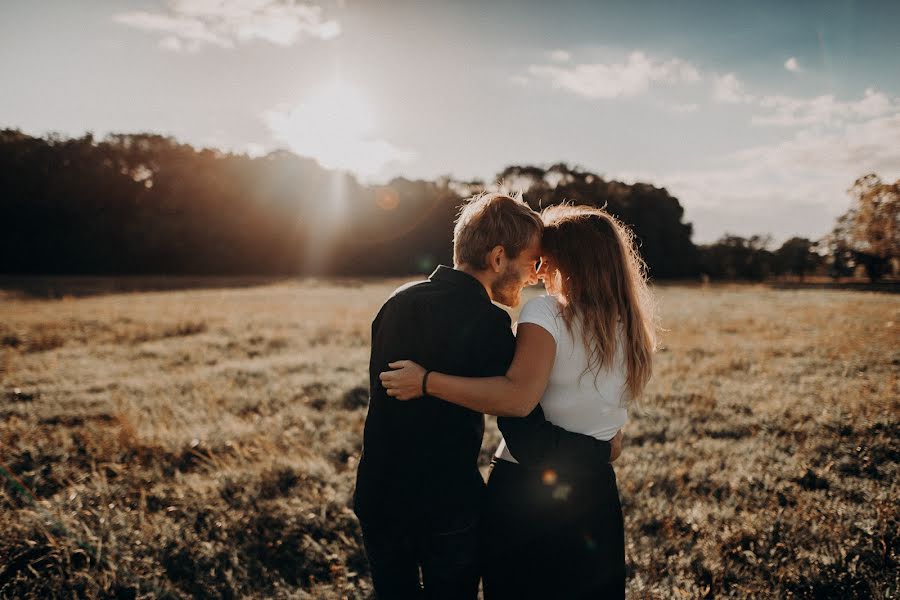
496	258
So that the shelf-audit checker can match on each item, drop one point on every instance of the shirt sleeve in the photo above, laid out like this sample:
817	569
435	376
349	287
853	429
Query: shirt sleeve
542	311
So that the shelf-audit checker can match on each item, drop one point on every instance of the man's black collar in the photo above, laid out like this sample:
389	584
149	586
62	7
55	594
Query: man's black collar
453	276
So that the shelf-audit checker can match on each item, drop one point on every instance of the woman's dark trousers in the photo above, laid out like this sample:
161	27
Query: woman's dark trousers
550	535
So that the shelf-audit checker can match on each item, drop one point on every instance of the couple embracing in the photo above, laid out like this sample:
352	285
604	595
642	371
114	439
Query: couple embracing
548	523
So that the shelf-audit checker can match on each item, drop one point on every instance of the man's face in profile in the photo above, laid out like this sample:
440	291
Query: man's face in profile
519	272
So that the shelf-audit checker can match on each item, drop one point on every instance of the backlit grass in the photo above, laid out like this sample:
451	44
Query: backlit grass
204	443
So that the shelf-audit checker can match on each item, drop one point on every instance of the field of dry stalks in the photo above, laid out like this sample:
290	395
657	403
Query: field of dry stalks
203	443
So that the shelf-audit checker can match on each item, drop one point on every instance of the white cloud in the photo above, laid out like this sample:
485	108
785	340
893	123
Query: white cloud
192	24
182	29
790	111
729	89
796	186
560	56
792	65
631	78
872	145
787	111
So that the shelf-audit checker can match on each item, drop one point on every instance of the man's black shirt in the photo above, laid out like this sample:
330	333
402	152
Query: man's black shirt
420	457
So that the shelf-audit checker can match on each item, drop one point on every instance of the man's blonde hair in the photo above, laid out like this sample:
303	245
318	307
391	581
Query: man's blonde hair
493	219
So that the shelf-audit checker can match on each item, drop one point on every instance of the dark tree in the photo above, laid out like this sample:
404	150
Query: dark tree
146	204
654	215
869	233
735	257
797	256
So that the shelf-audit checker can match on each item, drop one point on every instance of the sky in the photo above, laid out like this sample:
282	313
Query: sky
757	116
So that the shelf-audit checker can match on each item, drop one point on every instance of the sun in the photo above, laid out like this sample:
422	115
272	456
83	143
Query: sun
338	110
335	124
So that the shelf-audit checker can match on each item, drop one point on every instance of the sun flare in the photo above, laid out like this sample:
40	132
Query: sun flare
336	125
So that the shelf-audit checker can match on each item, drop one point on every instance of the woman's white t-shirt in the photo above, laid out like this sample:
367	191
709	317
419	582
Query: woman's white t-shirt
575	399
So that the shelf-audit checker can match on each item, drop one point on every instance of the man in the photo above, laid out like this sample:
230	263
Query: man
418	490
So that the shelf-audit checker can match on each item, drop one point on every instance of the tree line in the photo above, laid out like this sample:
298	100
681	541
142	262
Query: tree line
865	241
146	204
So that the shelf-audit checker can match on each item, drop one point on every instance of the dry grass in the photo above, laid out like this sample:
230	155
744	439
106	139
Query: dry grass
203	443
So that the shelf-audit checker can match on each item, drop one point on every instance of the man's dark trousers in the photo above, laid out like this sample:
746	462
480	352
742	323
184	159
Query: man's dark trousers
442	556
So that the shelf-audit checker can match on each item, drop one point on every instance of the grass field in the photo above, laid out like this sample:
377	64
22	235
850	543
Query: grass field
204	443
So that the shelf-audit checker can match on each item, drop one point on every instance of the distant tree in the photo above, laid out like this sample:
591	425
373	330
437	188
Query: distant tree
877	219
841	259
868	234
735	257
142	203
655	216
797	256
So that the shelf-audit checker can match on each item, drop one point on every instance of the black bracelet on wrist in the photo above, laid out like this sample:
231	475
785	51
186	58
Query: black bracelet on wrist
425	382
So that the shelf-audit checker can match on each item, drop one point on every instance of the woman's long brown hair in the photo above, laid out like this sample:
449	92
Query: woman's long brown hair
604	282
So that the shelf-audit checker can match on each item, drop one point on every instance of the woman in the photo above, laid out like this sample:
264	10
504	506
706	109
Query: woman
584	352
